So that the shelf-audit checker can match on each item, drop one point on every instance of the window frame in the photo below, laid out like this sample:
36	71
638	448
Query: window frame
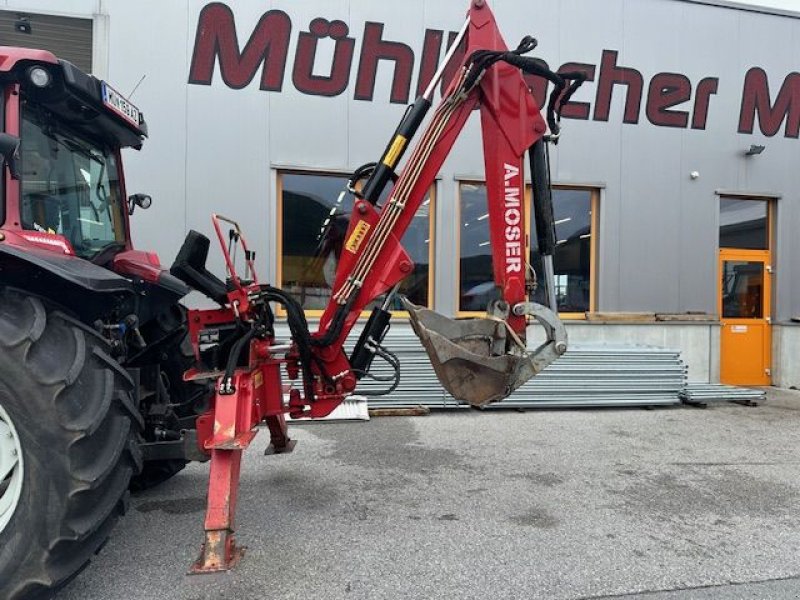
594	206
768	255
317	313
771	202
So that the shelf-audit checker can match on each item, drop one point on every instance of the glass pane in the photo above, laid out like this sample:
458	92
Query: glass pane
69	185
742	289
316	215
743	224
572	259
477	287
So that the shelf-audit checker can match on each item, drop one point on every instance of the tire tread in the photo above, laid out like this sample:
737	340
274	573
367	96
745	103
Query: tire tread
89	488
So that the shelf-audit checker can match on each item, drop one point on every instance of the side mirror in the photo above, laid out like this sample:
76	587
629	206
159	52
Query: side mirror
142	200
9	151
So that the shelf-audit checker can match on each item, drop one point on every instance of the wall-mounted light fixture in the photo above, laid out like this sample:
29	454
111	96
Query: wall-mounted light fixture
754	150
23	25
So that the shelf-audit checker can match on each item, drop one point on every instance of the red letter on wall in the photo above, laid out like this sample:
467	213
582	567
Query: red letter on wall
375	49
611	75
756	99
666	91
216	39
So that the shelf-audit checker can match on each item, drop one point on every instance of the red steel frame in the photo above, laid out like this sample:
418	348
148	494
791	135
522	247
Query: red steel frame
228	427
511	123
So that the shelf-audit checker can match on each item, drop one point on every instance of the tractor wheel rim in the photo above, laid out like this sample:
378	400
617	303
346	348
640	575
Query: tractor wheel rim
11	469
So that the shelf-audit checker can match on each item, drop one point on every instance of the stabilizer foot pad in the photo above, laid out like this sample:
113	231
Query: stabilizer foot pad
289	447
219	553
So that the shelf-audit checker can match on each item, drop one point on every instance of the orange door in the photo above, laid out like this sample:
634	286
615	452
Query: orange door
745	315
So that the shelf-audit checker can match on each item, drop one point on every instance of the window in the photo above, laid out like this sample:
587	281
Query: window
476	280
572	210
743	224
70	185
575	216
315	213
742	289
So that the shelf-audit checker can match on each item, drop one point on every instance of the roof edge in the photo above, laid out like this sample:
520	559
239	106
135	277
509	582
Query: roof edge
767	10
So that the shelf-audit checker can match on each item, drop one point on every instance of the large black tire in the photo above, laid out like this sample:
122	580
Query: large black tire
71	405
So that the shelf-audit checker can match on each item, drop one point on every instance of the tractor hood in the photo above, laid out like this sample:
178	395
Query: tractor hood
87	103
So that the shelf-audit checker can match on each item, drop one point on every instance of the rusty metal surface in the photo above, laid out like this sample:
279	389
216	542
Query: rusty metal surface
476	361
218	553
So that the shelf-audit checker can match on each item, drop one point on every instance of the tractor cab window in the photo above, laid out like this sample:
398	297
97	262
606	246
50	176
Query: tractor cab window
70	185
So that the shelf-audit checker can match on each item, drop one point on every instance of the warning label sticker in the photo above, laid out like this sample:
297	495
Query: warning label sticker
357	237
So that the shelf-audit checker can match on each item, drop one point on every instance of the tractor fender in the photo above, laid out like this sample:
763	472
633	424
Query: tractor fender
86	289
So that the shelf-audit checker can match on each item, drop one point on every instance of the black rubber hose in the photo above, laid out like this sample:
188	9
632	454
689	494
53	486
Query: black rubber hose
542	198
236	352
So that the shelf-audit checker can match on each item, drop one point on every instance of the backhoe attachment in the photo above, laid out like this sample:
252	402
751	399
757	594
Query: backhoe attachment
483	360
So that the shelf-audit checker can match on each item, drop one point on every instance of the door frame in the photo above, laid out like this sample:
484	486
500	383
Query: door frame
765	257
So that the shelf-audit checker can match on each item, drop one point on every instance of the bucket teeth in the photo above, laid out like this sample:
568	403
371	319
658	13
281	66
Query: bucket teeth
471	356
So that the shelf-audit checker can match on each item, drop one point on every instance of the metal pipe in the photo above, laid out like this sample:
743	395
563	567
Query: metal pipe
429	91
550	281
390	297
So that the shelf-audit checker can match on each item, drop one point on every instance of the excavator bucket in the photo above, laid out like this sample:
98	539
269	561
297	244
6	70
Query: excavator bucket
480	361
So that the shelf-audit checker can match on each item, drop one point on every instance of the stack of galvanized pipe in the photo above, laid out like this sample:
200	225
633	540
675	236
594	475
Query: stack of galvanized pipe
587	375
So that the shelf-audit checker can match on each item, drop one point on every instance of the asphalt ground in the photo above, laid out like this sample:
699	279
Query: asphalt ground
666	504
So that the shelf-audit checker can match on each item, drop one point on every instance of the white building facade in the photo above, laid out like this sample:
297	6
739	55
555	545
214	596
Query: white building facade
676	228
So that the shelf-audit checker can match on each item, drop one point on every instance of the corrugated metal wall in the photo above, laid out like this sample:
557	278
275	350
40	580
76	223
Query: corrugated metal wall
66	37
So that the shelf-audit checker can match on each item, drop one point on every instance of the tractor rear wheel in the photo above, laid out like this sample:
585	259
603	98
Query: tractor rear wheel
69	446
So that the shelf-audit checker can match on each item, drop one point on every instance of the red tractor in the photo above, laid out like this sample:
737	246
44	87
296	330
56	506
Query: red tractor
106	382
93	342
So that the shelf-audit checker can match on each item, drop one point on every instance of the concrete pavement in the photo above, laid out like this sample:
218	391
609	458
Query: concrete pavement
666	504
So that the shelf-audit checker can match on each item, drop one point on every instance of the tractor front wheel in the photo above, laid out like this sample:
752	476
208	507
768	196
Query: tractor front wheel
68	446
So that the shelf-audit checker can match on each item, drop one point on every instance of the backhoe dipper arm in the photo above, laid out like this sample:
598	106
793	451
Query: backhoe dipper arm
373	260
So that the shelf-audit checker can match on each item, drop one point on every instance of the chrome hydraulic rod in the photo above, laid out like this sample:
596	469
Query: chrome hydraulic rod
407	128
550	282
437	77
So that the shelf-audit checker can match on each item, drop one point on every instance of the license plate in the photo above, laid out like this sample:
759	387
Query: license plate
117	102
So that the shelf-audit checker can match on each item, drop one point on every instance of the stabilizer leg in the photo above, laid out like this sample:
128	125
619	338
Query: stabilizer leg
232	434
219	551
279	441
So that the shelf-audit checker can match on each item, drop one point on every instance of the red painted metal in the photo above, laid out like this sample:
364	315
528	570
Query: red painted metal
145	265
10	56
229	426
241	241
39	240
257	396
12	126
511	123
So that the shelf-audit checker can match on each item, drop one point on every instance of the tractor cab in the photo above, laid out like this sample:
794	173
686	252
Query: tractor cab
62	135
64	212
